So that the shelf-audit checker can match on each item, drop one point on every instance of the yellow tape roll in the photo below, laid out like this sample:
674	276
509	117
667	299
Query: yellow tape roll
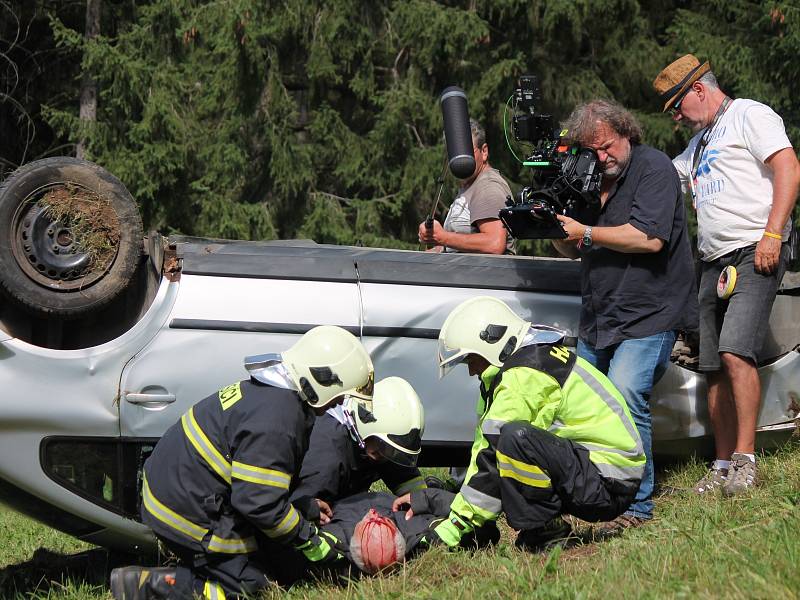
726	282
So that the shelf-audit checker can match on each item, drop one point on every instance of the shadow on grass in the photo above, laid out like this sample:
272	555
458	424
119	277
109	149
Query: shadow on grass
47	569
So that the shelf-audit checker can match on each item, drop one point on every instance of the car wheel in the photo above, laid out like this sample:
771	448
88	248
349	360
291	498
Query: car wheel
70	237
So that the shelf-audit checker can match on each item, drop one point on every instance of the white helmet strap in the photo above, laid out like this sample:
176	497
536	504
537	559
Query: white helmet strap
349	422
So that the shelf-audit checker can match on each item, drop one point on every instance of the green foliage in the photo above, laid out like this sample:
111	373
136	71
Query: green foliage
751	46
239	118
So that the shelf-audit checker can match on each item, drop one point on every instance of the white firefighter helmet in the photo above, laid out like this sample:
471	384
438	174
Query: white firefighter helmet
395	421
484	326
328	363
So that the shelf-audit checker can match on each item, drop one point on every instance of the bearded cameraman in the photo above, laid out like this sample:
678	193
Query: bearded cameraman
637	276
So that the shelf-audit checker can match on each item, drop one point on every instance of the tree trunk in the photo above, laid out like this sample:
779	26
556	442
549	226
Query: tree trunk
88	108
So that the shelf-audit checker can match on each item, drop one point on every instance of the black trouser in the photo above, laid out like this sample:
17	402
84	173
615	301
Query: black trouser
553	476
237	574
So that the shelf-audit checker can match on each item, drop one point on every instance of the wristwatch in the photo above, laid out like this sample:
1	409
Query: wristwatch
587	237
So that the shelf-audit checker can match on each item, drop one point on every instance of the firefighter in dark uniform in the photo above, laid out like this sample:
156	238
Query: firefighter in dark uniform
352	447
554	436
216	489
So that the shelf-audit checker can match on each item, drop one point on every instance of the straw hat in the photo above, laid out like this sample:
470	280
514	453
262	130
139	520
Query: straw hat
678	77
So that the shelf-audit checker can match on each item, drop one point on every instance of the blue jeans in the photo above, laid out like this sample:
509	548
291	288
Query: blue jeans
634	367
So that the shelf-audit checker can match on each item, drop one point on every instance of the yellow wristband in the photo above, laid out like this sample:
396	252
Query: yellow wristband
774	236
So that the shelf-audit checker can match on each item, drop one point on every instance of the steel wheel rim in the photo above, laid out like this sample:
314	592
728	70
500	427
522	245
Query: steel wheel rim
45	249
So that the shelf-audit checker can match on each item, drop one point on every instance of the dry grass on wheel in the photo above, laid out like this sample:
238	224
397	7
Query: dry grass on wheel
90	218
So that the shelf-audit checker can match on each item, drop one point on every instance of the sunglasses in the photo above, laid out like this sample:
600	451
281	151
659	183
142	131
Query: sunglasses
676	108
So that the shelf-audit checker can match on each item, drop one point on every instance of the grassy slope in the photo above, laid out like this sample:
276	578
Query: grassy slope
745	547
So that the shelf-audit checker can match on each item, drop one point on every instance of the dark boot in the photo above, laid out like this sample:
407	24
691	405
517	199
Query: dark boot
555	532
142	583
486	535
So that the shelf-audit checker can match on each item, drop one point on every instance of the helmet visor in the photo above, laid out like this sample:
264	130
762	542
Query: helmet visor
395	454
449	358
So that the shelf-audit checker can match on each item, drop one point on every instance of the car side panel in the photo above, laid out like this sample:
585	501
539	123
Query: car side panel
73	393
215	323
401	327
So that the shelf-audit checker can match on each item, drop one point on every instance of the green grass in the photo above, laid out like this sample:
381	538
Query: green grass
745	547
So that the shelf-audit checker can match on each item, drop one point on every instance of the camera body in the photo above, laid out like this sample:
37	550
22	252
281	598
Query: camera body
527	124
566	178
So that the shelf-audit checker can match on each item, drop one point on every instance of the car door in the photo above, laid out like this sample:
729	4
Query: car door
235	300
406	299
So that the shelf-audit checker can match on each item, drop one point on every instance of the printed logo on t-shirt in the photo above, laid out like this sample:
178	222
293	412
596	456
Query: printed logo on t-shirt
705	163
707	189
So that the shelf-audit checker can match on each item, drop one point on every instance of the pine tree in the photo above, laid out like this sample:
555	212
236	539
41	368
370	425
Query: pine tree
255	120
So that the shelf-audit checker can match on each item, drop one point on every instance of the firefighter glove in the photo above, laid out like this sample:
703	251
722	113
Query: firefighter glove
451	529
327	548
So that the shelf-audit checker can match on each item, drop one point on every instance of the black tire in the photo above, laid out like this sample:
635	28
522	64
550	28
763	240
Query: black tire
42	265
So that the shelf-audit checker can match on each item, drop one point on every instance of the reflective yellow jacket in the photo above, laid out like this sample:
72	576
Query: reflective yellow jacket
565	395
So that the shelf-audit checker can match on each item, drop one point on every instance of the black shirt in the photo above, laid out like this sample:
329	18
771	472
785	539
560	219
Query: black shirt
630	296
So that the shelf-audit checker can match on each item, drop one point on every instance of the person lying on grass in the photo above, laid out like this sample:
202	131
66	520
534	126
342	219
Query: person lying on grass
375	537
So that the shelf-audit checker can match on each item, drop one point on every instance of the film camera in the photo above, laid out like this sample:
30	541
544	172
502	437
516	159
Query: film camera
566	178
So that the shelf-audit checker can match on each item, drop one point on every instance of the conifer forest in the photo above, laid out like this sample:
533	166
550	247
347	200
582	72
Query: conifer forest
264	119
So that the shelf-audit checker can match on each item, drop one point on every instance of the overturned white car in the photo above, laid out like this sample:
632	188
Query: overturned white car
104	343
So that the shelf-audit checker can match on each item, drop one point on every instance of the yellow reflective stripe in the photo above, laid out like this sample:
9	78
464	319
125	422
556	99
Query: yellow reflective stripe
289	522
412	485
213	591
232	545
531	470
510	474
169	517
260	475
204	446
524	473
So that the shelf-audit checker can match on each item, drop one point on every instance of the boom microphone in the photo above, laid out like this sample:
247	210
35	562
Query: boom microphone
457	135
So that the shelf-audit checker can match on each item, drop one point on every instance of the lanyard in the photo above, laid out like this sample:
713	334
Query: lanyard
698	151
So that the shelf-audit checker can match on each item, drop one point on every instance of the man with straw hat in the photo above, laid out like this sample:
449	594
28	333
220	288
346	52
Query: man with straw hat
743	176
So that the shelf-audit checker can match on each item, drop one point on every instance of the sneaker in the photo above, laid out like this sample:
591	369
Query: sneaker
616	527
554	533
742	475
712	481
141	583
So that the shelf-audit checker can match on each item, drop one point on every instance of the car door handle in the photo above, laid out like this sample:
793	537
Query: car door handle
149	398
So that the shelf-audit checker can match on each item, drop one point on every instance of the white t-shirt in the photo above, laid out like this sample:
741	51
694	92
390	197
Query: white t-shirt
733	186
